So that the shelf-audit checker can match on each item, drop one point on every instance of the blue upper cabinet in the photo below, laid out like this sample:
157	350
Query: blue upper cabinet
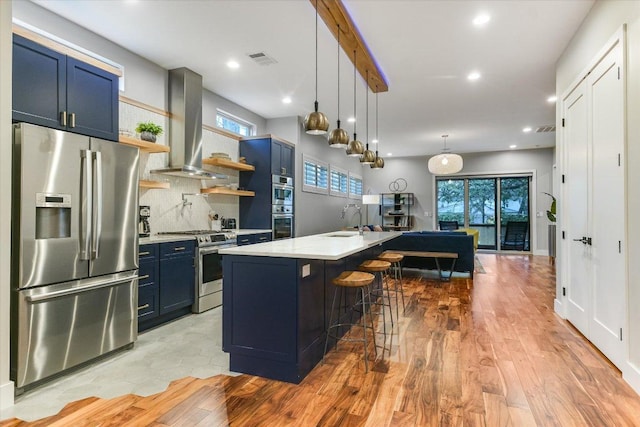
57	91
281	159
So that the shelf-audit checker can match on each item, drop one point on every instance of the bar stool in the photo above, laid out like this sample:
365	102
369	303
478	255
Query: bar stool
381	267
395	260
360	280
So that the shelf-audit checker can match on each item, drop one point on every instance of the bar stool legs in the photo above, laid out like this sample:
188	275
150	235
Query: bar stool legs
380	267
361	281
395	260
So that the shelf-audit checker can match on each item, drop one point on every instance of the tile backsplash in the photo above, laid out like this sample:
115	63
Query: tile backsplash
181	207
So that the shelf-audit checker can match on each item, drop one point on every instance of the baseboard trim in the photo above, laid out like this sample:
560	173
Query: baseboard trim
541	252
559	308
6	395
631	374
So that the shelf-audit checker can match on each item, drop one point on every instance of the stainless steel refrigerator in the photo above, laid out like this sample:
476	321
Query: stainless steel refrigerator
74	250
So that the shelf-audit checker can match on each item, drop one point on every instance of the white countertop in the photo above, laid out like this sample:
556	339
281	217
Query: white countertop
328	246
155	238
245	231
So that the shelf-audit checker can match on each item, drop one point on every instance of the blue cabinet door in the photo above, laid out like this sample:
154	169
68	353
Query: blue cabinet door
287	160
39	84
92	100
177	275
276	158
246	239
60	92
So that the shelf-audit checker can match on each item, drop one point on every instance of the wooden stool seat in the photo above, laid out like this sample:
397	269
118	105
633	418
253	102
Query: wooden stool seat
354	279
375	265
390	257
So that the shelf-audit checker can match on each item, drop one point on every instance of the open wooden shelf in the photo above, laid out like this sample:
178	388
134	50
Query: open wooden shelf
227	191
216	161
154	184
149	147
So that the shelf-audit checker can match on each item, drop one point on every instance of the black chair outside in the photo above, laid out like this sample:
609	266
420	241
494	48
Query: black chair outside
515	236
449	225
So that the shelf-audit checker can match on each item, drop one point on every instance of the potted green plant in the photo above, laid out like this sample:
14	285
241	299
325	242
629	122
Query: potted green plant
148	131
551	215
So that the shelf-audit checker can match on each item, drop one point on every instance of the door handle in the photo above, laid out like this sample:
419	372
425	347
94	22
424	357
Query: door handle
72	120
99	206
63	118
87	204
584	240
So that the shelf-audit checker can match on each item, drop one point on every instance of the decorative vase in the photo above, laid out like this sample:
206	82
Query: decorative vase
147	136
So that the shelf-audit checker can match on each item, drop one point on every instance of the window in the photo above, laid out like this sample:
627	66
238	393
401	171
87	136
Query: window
355	186
339	179
234	124
315	175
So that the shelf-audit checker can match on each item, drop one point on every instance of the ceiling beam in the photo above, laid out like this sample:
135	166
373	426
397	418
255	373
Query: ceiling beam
335	15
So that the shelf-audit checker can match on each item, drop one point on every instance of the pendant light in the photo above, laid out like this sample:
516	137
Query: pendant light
355	147
378	163
316	123
338	138
367	157
446	162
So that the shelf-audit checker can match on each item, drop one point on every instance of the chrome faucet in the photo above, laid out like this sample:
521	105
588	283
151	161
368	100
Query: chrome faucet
353	205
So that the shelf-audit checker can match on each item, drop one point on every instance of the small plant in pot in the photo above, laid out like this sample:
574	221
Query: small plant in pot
148	131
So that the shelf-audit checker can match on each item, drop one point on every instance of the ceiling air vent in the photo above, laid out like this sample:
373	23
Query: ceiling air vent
262	58
547	128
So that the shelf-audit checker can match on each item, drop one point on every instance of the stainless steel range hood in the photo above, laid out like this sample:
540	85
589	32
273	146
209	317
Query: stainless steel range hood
185	128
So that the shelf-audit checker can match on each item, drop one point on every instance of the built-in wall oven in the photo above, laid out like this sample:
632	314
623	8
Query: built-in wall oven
282	207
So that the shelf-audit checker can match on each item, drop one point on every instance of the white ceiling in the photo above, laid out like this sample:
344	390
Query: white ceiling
426	48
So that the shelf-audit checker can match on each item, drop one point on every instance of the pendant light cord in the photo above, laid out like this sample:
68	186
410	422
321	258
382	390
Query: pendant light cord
338	75
316	101
355	115
366	86
378	143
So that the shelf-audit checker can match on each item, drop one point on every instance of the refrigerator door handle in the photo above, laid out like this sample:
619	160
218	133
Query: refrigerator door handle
87	205
97	226
89	287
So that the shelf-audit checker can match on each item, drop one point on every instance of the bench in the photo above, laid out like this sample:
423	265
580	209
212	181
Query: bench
435	255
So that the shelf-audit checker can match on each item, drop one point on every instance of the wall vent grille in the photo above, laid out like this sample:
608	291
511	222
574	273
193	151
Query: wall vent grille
262	58
547	128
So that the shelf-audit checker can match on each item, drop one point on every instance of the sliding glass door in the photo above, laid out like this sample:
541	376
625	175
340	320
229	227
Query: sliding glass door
497	206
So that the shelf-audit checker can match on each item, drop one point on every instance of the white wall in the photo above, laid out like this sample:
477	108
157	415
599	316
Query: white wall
604	19
421	183
6	386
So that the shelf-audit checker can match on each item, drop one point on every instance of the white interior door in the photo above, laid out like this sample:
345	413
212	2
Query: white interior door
575	217
606	92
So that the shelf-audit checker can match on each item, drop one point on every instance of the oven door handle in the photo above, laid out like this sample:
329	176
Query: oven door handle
280	216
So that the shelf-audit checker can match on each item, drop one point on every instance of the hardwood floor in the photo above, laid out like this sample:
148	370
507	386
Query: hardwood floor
487	352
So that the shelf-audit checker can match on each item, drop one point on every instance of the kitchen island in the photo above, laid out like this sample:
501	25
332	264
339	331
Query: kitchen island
277	299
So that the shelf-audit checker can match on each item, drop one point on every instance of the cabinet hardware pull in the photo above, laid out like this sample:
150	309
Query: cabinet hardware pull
143	253
146	276
181	248
142	307
63	118
72	120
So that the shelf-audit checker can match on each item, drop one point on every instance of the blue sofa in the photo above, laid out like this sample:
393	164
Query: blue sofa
435	241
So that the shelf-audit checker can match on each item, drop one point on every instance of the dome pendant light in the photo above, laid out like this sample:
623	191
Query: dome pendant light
338	138
367	157
355	147
378	163
316	123
446	162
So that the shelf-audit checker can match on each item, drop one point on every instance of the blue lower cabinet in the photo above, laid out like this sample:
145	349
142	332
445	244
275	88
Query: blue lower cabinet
177	275
250	239
273	315
166	282
262	237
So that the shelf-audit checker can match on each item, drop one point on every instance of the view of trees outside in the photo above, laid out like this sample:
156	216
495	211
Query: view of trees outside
513	201
451	200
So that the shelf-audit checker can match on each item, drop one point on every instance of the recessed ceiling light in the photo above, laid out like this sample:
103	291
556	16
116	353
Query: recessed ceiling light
233	65
481	19
286	100
374	141
474	76
351	119
552	98
513	146
389	154
527	129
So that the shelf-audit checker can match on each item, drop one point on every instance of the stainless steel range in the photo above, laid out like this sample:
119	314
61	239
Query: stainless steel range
208	286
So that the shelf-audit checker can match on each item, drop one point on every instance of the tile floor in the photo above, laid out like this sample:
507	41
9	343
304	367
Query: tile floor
190	346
